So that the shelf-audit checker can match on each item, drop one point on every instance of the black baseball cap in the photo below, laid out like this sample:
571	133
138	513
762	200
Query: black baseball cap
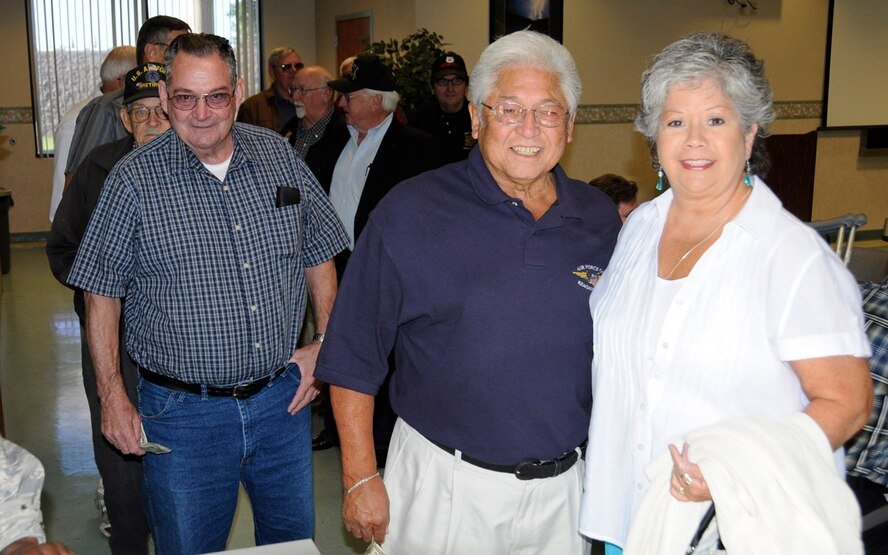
368	72
449	63
141	82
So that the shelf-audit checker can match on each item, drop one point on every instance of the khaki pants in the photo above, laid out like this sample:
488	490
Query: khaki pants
440	504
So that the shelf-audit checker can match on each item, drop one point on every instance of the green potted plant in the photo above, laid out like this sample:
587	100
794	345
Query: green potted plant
411	60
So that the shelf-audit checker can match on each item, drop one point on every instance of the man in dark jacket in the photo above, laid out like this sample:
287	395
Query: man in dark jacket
446	117
144	119
358	166
317	122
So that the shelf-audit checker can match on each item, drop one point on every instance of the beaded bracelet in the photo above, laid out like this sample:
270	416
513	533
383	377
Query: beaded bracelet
361	482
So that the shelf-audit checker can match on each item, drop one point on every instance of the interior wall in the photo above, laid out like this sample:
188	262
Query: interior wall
847	182
390	19
288	23
611	42
28	177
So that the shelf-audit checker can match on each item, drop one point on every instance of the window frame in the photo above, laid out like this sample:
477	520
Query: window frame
106	24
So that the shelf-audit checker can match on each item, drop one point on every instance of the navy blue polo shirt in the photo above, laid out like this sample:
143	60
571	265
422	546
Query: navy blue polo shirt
487	311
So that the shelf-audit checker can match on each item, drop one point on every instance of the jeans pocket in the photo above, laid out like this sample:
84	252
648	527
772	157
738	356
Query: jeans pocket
294	373
154	401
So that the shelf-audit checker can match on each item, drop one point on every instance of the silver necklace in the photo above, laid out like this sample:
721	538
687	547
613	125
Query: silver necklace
708	235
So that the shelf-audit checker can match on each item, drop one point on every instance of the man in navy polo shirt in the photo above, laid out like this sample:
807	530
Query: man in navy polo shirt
477	277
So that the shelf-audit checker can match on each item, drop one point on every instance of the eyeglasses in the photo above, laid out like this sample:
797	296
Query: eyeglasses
293	66
512	113
350	96
455	81
165	45
189	101
140	114
302	91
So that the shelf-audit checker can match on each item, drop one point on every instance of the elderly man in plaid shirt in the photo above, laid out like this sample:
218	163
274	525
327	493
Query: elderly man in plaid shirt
212	233
867	453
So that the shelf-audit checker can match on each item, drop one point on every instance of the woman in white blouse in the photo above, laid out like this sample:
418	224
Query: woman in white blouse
717	303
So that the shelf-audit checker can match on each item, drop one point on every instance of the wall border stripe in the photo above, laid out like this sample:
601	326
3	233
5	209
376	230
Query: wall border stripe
587	114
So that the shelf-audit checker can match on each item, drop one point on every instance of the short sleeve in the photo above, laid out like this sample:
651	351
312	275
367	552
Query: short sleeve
814	301
365	317
105	259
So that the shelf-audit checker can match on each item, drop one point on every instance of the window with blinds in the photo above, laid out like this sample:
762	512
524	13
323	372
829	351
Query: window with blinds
69	40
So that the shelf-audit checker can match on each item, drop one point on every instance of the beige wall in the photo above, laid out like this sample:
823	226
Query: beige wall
611	42
288	23
390	19
28	177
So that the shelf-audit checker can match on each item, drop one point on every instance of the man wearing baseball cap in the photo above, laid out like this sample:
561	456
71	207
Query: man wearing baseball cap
144	119
360	167
447	116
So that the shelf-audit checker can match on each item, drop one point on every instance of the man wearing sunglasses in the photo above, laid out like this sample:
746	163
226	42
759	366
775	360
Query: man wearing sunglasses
216	233
273	107
447	116
144	119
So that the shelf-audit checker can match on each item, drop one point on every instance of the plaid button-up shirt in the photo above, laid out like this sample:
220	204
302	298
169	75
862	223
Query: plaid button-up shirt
212	271
867	452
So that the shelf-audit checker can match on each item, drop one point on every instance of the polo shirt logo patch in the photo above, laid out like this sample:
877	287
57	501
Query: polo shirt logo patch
588	275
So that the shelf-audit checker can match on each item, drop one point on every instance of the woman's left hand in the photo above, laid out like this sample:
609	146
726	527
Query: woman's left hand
687	481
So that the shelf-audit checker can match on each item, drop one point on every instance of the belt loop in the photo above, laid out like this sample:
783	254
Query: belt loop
203	392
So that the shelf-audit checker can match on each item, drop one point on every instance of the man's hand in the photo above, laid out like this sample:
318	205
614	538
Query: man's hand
121	424
365	511
308	389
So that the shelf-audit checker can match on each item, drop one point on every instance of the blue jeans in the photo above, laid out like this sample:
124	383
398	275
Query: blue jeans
218	443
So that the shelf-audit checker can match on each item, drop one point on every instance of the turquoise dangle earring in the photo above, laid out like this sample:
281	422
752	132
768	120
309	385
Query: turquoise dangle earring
660	178
748	178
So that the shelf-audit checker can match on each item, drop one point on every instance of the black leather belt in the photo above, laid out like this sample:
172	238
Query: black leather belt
239	391
527	470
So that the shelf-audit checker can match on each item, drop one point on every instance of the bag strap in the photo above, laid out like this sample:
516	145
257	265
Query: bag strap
704	524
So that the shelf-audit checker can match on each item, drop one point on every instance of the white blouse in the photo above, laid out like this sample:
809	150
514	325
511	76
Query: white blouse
768	291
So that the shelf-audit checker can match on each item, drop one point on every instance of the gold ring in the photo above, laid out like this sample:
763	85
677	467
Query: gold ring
681	491
686	478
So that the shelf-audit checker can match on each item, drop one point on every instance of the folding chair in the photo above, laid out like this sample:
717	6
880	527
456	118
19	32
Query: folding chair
839	227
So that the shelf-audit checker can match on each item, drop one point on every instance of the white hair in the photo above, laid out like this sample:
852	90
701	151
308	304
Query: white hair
390	99
525	49
117	63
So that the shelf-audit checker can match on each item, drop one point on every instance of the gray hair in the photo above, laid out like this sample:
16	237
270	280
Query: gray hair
202	45
346	64
278	54
523	49
115	65
717	57
390	99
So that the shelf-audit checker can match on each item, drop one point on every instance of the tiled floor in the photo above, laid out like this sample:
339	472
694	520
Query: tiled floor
46	412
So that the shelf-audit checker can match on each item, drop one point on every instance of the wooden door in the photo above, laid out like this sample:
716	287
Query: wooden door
791	176
353	35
